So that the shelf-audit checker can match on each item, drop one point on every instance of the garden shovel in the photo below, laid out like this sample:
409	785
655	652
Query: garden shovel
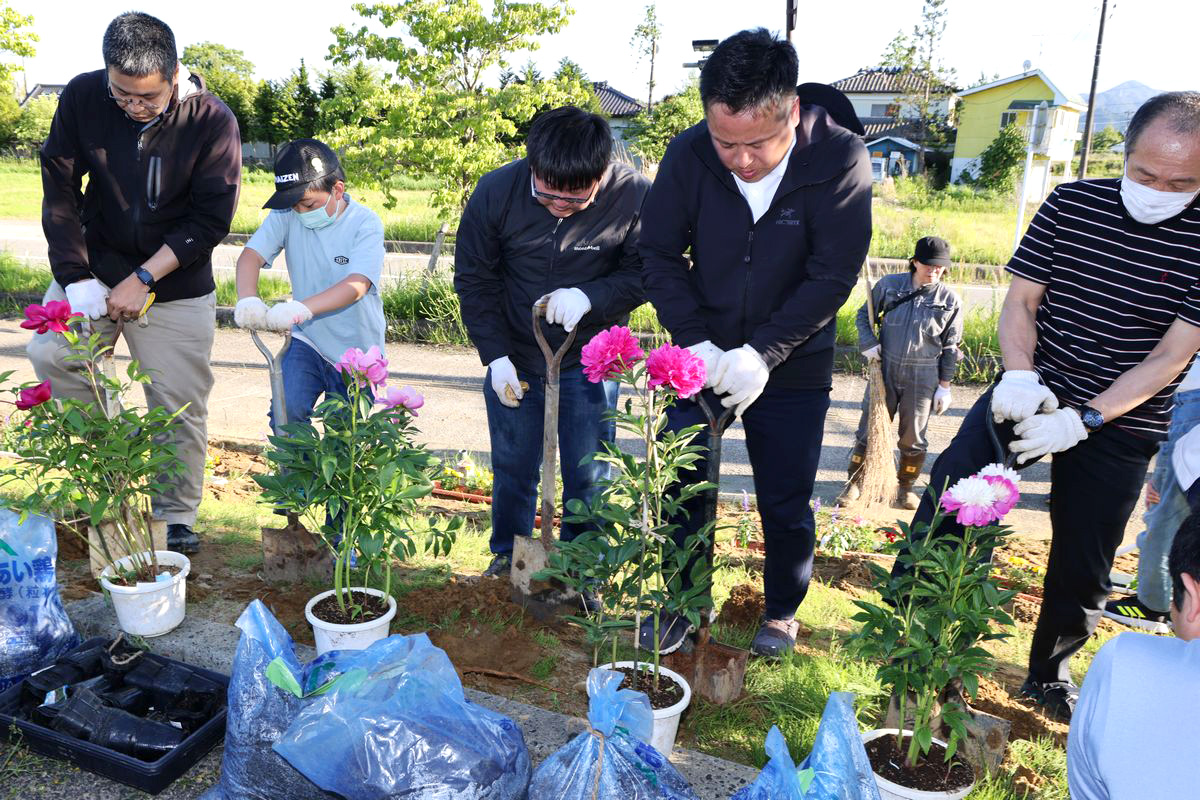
530	555
716	671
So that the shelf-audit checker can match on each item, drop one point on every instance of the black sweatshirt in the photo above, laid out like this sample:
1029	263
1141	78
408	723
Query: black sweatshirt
776	284
174	182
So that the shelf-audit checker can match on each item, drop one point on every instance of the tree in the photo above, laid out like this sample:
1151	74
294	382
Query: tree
307	105
1107	139
571	75
33	126
229	75
274	113
14	39
10	118
442	120
645	43
998	164
651	131
354	96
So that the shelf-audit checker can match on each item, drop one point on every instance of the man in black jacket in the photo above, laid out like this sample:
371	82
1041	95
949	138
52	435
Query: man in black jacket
163	160
558	227
773	198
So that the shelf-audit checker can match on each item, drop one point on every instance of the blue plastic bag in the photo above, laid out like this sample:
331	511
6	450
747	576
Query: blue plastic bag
836	769
394	723
34	628
613	761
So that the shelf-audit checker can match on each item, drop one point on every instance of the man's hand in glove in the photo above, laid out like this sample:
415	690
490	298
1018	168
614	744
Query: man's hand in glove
1047	433
741	374
872	353
88	297
565	307
942	399
1020	395
710	354
283	316
504	377
250	312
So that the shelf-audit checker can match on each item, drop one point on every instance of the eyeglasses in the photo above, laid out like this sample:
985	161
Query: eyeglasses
126	102
552	198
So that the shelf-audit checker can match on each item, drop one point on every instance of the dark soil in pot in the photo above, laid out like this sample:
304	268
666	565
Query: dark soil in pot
373	607
930	774
666	695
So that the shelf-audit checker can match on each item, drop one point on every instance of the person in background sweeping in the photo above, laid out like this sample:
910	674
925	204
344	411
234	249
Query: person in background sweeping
920	323
334	261
558	227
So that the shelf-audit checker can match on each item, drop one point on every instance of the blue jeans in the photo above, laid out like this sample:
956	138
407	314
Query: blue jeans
1164	519
306	376
516	435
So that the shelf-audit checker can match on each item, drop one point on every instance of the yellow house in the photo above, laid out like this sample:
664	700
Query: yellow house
988	108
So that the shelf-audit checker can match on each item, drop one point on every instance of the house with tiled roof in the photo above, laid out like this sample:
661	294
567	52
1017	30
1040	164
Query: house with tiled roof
619	107
39	89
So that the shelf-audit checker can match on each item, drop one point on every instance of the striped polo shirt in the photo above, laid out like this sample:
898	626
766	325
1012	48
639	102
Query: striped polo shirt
1113	287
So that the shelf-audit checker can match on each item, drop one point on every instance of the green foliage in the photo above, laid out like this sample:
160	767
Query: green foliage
33	126
651	131
354	97
442	120
645	44
308	106
927	629
838	532
230	76
998	164
274	110
15	39
10	117
1105	140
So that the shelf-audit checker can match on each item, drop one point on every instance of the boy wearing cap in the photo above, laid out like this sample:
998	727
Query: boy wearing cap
919	324
334	260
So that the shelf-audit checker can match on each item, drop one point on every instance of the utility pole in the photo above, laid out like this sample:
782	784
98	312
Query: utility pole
1091	112
1042	106
792	11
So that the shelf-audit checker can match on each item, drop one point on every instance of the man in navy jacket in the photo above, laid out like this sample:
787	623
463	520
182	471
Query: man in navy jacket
771	194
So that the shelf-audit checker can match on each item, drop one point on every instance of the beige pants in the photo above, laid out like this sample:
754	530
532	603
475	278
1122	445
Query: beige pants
175	350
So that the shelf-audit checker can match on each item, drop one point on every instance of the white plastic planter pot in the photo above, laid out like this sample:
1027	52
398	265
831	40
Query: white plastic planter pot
150	608
894	791
666	720
356	636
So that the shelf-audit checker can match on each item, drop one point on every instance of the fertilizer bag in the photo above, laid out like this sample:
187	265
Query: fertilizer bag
394	723
612	761
34	628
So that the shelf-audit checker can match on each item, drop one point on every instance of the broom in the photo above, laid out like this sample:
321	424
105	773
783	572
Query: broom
877	478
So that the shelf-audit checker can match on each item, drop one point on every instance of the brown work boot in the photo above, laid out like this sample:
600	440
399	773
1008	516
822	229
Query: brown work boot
910	470
854	471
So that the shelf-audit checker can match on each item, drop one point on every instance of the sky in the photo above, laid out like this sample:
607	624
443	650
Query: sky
834	39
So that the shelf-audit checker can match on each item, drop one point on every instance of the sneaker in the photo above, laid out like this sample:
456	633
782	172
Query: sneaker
1136	614
182	539
500	567
672	630
775	637
1057	697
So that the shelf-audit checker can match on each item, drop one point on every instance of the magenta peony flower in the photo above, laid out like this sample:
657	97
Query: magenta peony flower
407	398
675	367
609	353
33	396
369	368
1006	494
54	316
973	500
375	366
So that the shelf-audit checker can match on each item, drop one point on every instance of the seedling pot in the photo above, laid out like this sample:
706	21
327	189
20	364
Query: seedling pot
894	791
355	636
666	720
116	545
150	608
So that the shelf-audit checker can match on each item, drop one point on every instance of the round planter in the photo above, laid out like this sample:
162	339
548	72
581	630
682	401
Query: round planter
666	720
150	608
357	635
894	791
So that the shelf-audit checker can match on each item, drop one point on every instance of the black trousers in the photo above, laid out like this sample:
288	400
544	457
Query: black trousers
784	428
1094	487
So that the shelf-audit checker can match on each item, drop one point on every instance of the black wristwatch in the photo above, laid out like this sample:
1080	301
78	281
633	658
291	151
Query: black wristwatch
1092	419
145	277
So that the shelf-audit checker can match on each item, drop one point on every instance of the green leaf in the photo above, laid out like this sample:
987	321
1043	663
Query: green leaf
282	678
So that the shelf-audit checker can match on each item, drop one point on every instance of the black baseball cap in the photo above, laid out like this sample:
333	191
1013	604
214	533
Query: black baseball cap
933	250
297	165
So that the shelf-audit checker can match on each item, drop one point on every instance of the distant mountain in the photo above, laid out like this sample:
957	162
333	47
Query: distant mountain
1116	105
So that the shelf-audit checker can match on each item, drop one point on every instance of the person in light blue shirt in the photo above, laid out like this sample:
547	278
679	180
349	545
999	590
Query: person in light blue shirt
334	261
1133	734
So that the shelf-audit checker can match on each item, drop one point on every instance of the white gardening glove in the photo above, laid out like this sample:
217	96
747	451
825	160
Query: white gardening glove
1020	395
942	400
710	354
1047	433
283	316
250	312
504	375
88	298
741	374
565	307
872	353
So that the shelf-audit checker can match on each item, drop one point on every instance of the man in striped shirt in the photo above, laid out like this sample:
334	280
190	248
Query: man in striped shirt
1101	319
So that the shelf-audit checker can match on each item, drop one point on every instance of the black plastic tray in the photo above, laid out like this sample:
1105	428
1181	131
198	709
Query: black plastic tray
149	776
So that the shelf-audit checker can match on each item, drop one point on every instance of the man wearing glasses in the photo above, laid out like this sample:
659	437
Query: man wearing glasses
558	227
163	163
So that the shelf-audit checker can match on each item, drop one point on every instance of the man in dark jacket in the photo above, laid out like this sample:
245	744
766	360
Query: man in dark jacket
557	227
163	161
773	198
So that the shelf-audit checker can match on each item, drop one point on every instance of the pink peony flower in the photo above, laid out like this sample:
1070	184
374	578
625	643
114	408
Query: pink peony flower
33	396
407	398
369	368
675	367
54	316
973	500
1006	494
609	353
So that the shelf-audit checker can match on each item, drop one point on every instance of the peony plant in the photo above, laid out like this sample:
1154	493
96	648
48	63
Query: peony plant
355	474
938	607
630	556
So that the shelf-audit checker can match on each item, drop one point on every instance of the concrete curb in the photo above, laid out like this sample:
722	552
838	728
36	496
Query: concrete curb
212	645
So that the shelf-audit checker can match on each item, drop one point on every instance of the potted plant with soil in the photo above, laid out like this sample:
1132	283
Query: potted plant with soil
927	631
355	475
109	462
630	558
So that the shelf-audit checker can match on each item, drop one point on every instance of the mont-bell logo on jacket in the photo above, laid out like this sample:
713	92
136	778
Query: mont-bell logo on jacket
786	217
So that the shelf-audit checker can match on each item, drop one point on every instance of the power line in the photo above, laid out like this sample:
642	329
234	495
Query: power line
1091	111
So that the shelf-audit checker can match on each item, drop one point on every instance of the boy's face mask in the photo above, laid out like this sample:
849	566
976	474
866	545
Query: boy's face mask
320	216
